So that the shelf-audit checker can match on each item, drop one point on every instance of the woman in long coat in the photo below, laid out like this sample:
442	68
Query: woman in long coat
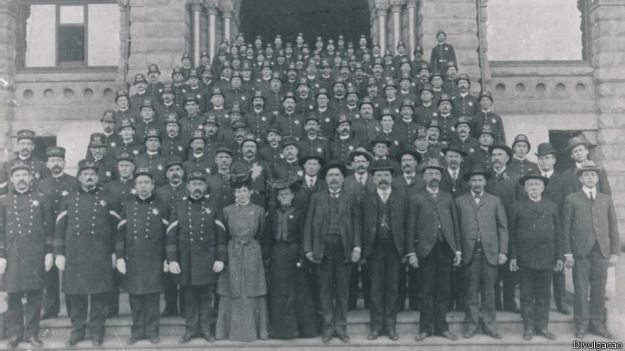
242	314
291	308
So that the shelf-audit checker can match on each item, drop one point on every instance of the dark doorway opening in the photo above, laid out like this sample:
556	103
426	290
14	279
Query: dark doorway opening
313	18
560	139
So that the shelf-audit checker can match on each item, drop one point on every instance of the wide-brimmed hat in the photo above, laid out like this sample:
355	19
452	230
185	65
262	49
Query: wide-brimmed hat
478	170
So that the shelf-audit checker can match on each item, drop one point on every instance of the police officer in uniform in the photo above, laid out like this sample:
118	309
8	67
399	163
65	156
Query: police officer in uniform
97	153
520	164
140	250
56	188
84	246
25	148
26	236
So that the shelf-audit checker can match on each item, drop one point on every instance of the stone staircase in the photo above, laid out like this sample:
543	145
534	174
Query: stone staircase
56	331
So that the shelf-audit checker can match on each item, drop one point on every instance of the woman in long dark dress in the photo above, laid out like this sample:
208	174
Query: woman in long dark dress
291	308
242	288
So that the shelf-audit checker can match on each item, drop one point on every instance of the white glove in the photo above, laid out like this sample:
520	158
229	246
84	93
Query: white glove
114	260
59	262
174	267
3	265
218	266
48	262
121	266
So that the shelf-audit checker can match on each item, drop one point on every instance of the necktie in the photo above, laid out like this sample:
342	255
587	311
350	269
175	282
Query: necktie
476	198
362	180
310	183
591	195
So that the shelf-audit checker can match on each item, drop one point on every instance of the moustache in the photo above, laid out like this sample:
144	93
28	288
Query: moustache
433	181
57	169
176	176
197	192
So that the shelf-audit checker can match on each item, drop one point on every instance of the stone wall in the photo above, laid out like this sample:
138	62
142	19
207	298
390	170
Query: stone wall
8	14
160	32
608	60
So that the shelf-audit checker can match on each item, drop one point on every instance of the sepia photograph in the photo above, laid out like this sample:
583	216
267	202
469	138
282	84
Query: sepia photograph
281	175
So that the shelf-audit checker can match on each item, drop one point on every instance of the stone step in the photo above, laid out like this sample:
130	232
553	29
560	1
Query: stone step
358	323
512	340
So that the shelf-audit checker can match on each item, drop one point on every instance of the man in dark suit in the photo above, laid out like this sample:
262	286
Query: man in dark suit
332	239
452	182
535	250
384	220
591	244
433	240
578	148
484	242
504	185
555	190
359	184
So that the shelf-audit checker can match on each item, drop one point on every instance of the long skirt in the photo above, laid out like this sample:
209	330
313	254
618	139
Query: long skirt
291	308
242	318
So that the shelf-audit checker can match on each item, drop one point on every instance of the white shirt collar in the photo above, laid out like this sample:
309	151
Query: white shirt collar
547	174
589	191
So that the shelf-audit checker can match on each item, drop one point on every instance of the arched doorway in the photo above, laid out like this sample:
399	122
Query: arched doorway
325	18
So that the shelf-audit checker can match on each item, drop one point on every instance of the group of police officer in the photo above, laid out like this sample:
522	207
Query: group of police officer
434	204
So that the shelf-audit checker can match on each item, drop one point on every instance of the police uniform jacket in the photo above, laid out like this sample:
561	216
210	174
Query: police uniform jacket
535	233
85	235
291	125
466	105
141	242
522	167
119	192
318	146
175	146
155	163
57	188
196	238
340	148
427	217
482	118
39	171
171	194
220	189
287	170
26	236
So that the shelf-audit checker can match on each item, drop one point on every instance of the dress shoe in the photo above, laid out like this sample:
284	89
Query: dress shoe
603	332
209	337
342	335
392	334
73	341
96	342
547	334
34	341
564	310
132	340
494	334
421	336
327	336
469	333
185	338
580	334
49	316
373	334
449	335
155	340
527	335
14	341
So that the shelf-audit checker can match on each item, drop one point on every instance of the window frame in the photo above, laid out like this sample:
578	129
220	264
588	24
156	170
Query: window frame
67	66
586	27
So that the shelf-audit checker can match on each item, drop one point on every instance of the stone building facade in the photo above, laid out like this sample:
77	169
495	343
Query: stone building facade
540	99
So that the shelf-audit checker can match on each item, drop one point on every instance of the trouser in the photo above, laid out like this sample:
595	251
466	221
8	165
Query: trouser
505	287
384	264
145	315
359	281
97	315
458	288
590	272
23	320
112	304
173	300
535	297
198	308
480	281
51	298
408	285
333	275
436	272
559	289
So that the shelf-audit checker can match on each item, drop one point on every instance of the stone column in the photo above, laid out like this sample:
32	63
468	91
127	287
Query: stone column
412	26
396	6
227	15
212	11
8	55
196	10
124	42
607	57
381	15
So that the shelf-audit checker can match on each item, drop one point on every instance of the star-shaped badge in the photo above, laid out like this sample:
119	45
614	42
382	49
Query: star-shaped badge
494	120
319	150
64	193
263	118
155	211
207	210
102	203
300	173
135	152
133	191
113	144
180	148
108	173
34	203
159	167
351	147
296	122
327	120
